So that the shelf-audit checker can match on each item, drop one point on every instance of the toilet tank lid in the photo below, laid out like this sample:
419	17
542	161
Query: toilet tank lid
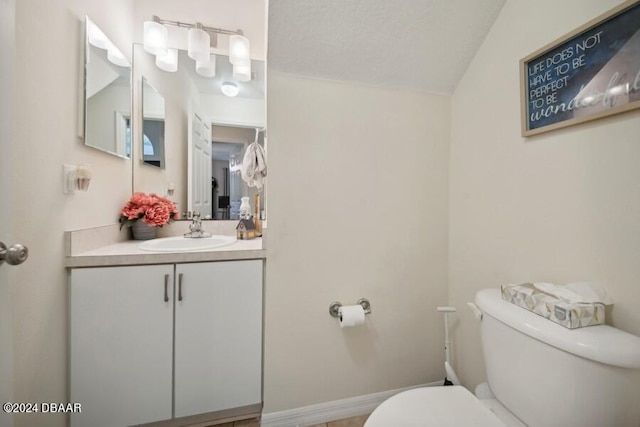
601	343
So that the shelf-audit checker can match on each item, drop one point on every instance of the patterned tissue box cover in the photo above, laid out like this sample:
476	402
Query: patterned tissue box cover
569	315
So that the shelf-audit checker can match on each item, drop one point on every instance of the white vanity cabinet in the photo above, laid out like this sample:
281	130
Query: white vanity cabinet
121	342
157	342
218	336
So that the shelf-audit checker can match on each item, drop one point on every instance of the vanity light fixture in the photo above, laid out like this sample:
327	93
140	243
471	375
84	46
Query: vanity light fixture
239	56
168	62
238	48
116	57
230	89
242	70
156	37
97	38
198	44
208	68
200	40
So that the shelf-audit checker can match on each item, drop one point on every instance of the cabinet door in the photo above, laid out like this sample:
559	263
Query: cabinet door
218	336
121	342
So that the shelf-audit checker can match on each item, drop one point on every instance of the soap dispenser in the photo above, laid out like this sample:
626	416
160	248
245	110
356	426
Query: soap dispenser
245	208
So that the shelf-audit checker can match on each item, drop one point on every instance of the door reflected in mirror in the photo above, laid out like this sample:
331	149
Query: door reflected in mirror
153	115
107	106
228	146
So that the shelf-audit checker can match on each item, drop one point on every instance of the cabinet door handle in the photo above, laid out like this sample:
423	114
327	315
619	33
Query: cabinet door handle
166	288
180	287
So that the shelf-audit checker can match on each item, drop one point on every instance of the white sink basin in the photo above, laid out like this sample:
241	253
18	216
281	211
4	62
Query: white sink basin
186	244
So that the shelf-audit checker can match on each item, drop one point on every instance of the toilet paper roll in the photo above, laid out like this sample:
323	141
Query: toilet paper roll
351	315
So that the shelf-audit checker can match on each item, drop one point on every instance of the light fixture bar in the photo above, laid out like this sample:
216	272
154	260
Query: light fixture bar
197	25
200	40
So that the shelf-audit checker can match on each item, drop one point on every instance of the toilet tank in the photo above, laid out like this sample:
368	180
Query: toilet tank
548	375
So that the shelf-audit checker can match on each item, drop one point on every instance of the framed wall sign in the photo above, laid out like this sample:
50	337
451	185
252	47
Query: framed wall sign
590	73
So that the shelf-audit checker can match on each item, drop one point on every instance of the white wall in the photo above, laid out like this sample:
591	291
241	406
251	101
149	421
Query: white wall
47	113
334	149
559	207
221	109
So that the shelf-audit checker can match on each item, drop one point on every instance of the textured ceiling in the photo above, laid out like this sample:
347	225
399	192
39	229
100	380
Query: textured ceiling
418	44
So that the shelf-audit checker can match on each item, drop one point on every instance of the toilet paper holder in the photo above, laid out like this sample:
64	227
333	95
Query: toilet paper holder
334	307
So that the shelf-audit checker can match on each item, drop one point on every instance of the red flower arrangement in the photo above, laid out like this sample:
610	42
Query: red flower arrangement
152	209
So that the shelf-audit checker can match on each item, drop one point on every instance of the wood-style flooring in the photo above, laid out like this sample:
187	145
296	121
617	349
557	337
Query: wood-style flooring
348	422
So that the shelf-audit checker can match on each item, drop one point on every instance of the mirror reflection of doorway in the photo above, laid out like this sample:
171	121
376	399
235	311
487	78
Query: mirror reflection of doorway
226	160
228	146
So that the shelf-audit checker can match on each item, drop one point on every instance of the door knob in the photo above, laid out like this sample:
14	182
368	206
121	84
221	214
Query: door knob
16	254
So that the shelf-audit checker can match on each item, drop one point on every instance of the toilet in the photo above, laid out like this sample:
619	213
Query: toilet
539	374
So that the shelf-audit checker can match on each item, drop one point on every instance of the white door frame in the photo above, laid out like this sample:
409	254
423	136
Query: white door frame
7	273
199	171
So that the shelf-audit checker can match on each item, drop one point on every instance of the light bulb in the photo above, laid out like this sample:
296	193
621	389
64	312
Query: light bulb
96	36
207	69
242	70
156	37
239	48
116	57
168	62
198	44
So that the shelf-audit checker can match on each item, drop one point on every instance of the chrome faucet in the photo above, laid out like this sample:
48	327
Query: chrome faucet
195	228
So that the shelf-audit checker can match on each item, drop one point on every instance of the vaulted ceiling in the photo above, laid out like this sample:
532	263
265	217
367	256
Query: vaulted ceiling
418	44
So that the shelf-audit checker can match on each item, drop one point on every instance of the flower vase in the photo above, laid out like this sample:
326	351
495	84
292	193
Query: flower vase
142	231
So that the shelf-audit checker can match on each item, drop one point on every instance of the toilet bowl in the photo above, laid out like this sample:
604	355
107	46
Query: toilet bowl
539	374
452	406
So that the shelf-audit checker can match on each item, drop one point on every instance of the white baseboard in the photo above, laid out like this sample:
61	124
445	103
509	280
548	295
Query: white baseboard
331	411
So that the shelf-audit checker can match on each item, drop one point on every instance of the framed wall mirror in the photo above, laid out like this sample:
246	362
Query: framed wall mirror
107	100
205	134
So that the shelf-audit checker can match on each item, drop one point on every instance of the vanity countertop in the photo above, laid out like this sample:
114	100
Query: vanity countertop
128	253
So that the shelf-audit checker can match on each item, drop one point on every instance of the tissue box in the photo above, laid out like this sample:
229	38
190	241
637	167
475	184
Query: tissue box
569	315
